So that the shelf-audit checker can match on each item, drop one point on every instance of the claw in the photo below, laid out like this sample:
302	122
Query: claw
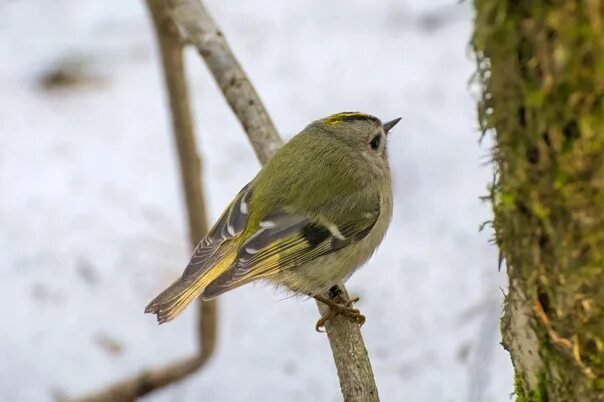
320	326
336	308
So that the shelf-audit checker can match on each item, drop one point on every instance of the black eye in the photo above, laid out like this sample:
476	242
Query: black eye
375	142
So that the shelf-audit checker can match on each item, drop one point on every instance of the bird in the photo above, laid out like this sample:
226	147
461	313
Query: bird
312	216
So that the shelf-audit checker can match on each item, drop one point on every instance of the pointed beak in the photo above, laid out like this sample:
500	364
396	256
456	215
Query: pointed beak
388	125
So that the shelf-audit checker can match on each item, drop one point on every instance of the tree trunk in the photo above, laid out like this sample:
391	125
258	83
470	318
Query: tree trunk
541	66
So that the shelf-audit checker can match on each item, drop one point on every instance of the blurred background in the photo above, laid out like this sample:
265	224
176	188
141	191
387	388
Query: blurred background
92	220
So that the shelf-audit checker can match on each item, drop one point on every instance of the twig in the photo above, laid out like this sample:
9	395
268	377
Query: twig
350	355
171	49
558	340
199	29
145	382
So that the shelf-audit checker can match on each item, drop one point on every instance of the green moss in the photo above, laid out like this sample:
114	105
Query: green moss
541	68
537	395
518	390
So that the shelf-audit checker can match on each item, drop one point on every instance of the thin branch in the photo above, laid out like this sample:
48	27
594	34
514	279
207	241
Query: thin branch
171	50
147	381
199	29
350	355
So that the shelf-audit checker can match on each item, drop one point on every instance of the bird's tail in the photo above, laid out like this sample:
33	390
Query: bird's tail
172	301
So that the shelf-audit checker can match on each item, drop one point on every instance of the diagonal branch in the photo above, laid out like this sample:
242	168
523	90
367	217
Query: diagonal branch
199	29
171	50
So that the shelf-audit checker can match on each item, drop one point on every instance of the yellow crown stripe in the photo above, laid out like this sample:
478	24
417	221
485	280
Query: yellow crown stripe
340	117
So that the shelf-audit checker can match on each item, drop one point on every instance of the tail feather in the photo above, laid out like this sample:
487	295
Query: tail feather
172	301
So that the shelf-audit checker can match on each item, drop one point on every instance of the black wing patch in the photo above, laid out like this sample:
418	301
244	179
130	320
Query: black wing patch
315	234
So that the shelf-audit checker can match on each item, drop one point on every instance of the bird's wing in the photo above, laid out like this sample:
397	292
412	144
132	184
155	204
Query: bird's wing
230	225
212	257
289	239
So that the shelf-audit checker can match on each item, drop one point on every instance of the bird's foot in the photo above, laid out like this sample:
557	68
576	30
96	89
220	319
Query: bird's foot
340	307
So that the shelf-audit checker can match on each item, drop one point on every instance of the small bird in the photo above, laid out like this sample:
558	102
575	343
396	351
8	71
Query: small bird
314	214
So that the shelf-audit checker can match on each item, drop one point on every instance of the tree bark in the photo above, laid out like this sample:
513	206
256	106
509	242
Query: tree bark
541	66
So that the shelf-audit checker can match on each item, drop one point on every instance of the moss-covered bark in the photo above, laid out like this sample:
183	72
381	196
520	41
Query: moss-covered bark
541	65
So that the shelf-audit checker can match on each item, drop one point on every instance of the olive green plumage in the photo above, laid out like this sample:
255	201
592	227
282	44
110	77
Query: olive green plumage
312	215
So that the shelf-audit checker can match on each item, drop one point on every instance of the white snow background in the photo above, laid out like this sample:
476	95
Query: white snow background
92	221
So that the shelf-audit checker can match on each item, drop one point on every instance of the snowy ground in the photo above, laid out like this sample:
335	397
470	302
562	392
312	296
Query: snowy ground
92	223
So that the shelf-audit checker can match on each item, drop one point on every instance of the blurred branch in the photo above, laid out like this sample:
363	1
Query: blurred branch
171	50
199	29
145	382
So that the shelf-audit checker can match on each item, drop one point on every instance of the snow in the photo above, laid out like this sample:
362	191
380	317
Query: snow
92	219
